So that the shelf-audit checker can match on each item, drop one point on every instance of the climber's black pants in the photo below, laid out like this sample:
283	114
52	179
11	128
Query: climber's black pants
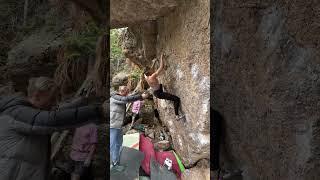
163	95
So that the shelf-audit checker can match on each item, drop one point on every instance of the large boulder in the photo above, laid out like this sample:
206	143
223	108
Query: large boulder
120	79
34	52
125	13
184	36
37	46
266	72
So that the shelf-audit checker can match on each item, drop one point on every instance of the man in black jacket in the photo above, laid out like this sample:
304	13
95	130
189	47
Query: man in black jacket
26	125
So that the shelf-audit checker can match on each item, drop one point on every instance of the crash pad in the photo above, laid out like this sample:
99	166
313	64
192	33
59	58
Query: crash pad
146	147
144	178
159	172
131	140
162	156
131	159
181	166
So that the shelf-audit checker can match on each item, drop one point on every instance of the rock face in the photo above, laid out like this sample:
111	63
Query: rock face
184	36
130	12
266	71
139	43
196	174
37	46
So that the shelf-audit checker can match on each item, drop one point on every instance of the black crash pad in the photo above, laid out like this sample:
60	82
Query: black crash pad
131	158
159	172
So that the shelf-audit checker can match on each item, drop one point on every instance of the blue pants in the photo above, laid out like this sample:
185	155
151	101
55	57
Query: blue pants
116	139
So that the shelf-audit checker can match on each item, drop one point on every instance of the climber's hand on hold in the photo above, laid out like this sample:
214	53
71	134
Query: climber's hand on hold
163	55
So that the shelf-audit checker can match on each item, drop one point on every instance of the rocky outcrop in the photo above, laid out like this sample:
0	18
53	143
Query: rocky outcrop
138	43
266	72
38	46
120	79
125	13
35	53
34	56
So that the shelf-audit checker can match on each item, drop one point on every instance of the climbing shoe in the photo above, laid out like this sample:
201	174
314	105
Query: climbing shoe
178	117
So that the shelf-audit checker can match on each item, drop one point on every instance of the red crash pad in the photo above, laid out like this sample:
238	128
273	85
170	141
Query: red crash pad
147	148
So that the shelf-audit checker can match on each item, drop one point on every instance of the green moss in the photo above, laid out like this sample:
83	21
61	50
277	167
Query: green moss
136	73
83	44
115	48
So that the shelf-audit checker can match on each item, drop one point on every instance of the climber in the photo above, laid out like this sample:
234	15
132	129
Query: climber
26	125
82	149
154	105
152	80
118	103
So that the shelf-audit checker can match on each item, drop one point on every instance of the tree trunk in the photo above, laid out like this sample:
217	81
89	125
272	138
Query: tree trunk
94	8
94	85
118	61
98	77
25	12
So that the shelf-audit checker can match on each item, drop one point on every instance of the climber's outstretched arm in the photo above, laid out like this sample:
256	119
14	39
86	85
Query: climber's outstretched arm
160	68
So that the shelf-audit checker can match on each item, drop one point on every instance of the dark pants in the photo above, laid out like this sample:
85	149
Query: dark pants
135	117
79	168
215	134
156	114
128	119
163	95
